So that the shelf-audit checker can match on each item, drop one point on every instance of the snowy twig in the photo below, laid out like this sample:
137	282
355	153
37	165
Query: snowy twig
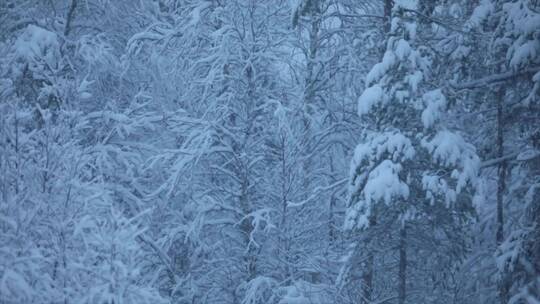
439	22
316	193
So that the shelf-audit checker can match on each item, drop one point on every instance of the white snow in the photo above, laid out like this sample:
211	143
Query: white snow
393	144
480	14
402	49
436	186
411	28
261	220
380	69
37	47
435	105
302	292
369	98
37	42
520	18
406	4
258	289
377	161
196	13
83	89
383	186
522	29
414	80
451	150
14	286
384	183
536	77
523	54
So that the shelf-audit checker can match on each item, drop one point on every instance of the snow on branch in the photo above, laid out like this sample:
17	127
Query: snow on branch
482	82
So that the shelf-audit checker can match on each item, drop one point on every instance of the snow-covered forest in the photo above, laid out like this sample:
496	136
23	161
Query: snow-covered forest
270	151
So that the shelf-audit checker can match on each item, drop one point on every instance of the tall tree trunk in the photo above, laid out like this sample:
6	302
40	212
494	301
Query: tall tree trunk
367	286
388	4
309	93
283	240
331	208
501	187
367	278
501	181
402	276
315	16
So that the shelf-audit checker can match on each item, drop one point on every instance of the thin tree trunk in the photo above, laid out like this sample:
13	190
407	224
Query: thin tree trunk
315	17
70	16
309	94
501	187
367	287
283	245
501	182
402	276
388	4
331	209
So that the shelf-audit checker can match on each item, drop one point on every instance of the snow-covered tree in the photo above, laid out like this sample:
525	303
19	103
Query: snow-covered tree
409	170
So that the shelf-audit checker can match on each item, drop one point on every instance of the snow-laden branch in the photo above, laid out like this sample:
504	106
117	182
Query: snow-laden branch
316	192
161	255
439	22
516	156
482	82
